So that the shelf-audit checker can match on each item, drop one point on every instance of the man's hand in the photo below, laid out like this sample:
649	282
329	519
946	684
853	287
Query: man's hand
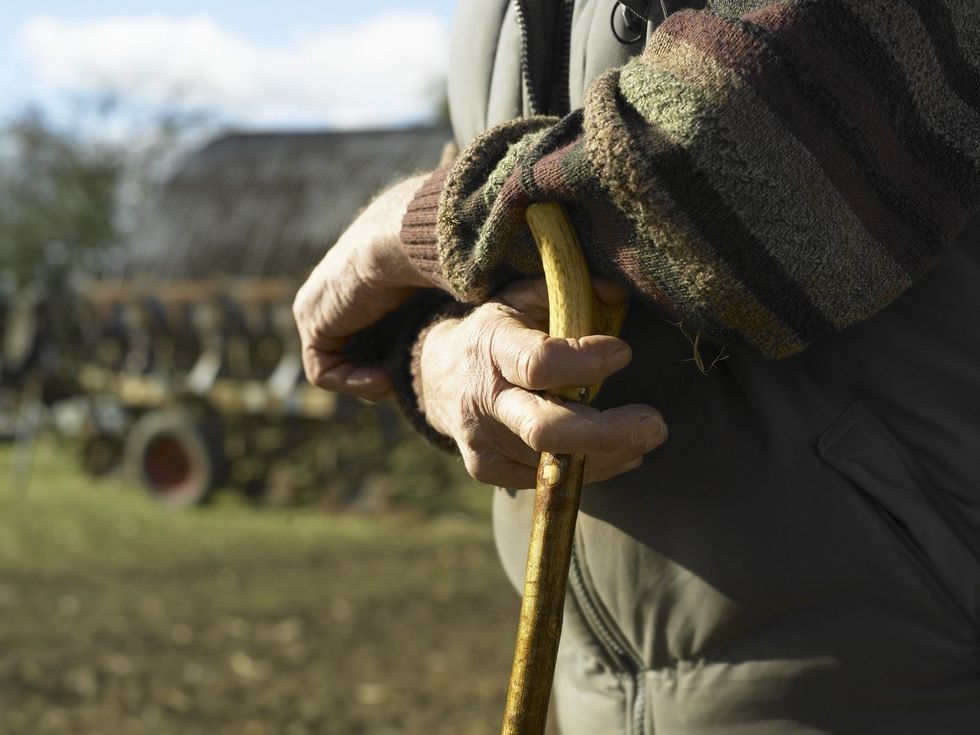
363	277
481	378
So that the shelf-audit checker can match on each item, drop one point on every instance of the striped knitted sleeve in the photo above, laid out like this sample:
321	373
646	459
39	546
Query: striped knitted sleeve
767	179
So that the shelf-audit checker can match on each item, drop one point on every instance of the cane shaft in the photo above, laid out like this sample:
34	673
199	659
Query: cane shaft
556	504
571	304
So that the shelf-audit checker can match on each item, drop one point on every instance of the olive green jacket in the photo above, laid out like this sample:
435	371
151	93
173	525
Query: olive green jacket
803	554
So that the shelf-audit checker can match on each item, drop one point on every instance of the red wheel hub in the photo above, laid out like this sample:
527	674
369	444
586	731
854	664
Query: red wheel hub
167	463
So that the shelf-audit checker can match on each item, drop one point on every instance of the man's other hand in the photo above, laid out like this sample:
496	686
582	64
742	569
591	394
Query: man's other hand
482	380
363	277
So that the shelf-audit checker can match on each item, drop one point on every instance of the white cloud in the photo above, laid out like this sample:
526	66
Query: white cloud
384	70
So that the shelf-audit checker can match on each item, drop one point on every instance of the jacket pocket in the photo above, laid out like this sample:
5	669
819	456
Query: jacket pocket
909	509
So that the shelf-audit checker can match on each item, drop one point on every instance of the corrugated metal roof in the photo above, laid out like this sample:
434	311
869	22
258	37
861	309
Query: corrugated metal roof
269	205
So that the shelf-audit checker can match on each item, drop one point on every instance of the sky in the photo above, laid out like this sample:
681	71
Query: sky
281	64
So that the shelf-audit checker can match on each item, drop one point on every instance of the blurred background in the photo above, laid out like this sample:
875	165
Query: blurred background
191	539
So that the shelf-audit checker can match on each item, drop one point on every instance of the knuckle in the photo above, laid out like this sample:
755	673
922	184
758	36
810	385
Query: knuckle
492	347
307	294
531	368
300	310
301	298
316	373
311	371
472	430
476	464
469	435
318	377
477	337
535	433
476	365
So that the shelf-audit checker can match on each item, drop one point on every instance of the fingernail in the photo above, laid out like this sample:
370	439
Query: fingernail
651	431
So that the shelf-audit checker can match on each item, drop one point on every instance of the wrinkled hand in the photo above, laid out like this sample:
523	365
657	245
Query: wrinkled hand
364	276
480	378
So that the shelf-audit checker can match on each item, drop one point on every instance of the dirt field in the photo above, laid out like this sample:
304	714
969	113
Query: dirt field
118	618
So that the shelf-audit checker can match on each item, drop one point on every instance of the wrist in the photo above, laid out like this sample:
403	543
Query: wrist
430	372
391	258
432	308
373	240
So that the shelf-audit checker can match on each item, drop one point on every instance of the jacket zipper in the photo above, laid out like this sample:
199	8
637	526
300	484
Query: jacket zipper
520	13
561	104
556	83
605	631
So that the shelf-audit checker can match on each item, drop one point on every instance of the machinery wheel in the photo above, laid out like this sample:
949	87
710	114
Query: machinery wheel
176	456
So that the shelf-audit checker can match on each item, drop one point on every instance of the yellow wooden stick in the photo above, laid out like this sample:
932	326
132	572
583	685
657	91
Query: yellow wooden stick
572	313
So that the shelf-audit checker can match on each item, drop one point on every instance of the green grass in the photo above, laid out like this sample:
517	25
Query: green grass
118	617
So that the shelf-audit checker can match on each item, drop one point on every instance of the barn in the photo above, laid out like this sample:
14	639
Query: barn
267	205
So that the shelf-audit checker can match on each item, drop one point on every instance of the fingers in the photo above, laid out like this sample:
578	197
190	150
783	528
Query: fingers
598	466
370	383
568	428
529	298
533	360
500	469
492	468
327	367
480	375
609	293
512	447
613	441
331	371
360	280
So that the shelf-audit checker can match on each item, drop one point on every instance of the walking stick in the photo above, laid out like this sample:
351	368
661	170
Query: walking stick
572	313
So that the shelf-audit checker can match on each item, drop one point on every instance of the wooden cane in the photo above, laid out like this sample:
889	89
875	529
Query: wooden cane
572	312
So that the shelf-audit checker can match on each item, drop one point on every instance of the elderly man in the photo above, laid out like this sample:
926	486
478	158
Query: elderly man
788	190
